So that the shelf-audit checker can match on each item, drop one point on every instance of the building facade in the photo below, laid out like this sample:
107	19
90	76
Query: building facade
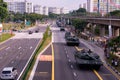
38	9
20	7
105	6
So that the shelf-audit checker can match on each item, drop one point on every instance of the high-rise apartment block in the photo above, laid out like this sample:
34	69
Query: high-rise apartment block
105	6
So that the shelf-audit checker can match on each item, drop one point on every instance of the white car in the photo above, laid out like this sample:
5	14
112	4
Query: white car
8	73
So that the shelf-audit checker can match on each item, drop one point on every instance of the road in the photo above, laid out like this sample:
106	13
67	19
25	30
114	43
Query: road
65	66
17	51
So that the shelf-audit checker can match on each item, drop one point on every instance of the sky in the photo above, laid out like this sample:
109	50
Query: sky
68	4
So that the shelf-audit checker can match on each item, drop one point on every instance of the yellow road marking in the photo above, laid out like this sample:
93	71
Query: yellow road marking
100	78
52	62
78	49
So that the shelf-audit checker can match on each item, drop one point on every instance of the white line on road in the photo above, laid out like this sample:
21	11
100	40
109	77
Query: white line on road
67	56
69	60
19	48
12	62
31	47
1	57
74	74
17	57
71	66
7	48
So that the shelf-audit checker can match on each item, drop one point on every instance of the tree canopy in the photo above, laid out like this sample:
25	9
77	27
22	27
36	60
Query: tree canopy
3	10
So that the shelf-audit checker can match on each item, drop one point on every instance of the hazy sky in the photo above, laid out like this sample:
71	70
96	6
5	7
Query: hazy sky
69	4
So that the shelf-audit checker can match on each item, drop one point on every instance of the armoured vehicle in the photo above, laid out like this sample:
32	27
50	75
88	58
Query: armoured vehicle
67	34
88	59
72	40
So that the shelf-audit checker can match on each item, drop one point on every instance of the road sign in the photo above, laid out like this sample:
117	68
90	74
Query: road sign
1	26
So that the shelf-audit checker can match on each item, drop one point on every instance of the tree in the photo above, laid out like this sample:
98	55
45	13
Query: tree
81	10
3	10
79	24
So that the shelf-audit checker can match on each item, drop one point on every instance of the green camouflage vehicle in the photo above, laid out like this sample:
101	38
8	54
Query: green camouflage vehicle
72	40
88	59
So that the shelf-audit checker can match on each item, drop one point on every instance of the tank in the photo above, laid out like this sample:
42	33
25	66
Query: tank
87	59
67	34
72	40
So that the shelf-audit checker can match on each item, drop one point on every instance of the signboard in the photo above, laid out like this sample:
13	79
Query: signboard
1	26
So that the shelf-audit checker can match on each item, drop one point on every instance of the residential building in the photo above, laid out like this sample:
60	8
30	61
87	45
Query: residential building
38	9
19	6
105	6
45	10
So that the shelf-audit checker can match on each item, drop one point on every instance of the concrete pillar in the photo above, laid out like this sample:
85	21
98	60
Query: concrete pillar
116	31
102	31
110	30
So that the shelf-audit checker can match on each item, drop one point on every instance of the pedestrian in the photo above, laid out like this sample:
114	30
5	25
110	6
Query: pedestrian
112	62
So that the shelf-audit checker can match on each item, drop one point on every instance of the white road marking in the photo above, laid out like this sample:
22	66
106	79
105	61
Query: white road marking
71	66
17	57
74	74
69	60
67	56
1	57
19	48
7	48
12	62
31	47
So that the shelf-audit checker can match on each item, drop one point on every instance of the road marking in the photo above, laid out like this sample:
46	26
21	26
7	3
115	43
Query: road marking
17	57
31	47
7	48
66	51
74	74
67	56
69	60
78	49
12	62
71	66
19	48
1	57
52	62
97	74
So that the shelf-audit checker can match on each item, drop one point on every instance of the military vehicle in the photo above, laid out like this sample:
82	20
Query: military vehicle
72	40
88	59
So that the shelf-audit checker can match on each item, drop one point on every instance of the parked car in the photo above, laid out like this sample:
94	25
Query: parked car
8	73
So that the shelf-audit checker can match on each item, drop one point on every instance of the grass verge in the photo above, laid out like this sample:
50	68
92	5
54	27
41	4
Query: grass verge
5	36
45	41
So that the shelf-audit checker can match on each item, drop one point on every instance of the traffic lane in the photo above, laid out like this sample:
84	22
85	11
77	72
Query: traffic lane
81	73
18	54
106	74
62	68
44	67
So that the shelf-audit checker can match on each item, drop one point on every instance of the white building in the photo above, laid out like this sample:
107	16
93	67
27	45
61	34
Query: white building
21	7
45	10
38	9
56	10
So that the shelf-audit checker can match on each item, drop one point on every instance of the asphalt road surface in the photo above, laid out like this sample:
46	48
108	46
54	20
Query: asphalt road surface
17	51
65	66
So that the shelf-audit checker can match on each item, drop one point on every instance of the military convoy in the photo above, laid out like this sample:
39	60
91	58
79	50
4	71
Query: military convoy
88	59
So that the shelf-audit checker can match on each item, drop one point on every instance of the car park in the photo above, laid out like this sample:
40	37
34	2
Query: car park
8	73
